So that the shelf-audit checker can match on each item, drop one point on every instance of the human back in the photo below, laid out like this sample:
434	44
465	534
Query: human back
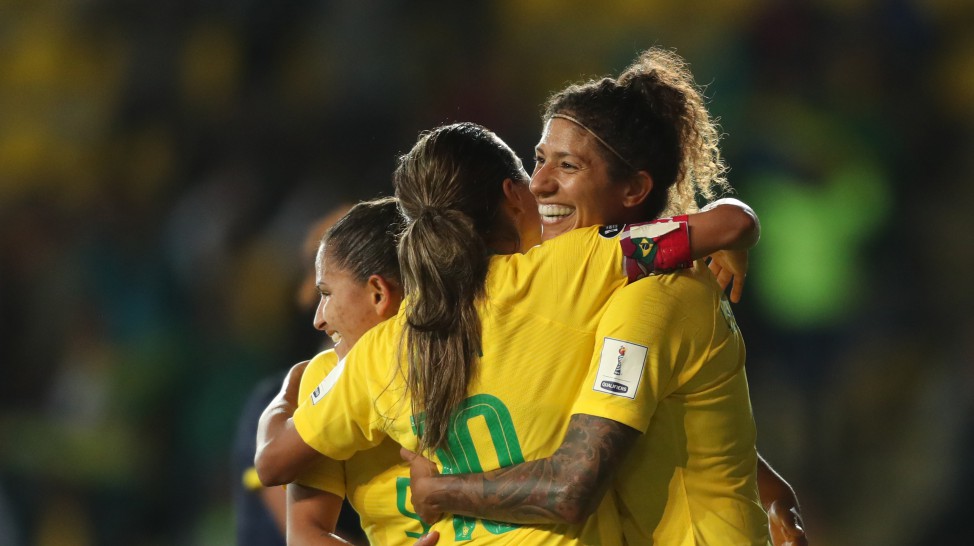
689	478
516	406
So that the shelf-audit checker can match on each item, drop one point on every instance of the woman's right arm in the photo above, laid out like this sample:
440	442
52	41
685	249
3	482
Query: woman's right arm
312	516
281	452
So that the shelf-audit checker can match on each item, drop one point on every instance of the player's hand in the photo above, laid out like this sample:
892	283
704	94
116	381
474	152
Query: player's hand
292	383
421	472
429	539
730	267
787	528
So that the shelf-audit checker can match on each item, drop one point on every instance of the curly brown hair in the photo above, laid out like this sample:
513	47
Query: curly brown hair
654	115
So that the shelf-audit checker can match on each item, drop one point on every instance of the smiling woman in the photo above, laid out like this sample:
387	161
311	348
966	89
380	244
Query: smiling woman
357	275
349	277
627	149
571	182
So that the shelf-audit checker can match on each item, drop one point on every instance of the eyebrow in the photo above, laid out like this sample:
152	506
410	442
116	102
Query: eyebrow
558	155
554	156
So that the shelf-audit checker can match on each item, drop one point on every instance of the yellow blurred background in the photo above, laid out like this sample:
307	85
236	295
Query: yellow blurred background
161	163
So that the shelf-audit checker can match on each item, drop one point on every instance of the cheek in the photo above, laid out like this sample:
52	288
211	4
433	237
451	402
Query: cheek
601	203
330	310
349	315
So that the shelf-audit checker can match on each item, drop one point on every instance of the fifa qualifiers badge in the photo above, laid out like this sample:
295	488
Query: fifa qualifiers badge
621	365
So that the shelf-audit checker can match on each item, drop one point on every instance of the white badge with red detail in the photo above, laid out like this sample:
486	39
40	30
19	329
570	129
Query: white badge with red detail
652	231
328	382
620	367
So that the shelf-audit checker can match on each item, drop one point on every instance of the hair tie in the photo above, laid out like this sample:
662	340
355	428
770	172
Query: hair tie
597	137
431	211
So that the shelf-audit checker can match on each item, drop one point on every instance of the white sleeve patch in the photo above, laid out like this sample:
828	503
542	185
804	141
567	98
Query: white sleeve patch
328	382
652	231
620	367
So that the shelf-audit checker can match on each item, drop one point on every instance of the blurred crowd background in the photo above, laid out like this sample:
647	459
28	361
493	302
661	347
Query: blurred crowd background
161	164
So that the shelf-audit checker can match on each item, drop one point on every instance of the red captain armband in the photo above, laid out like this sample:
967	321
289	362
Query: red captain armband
656	247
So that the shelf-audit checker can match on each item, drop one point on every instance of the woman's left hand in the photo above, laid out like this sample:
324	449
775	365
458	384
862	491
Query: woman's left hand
730	267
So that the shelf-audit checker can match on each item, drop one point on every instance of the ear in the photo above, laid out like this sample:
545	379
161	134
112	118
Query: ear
514	198
637	189
384	296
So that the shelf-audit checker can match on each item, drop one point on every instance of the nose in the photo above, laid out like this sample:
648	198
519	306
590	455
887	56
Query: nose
319	321
541	183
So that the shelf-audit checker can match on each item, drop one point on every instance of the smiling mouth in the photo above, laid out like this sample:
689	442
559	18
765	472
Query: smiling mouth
554	213
336	338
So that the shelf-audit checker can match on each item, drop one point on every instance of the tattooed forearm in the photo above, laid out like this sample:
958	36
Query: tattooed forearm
564	488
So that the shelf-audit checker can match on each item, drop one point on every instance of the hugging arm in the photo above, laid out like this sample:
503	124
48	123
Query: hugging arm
724	231
725	224
566	487
281	453
312	516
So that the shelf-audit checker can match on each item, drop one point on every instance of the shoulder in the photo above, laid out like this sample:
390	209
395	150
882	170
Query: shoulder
575	243
322	362
319	366
579	252
375	353
690	292
381	337
696	282
581	241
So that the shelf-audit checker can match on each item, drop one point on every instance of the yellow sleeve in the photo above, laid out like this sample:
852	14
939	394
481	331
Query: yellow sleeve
326	474
639	350
339	417
316	370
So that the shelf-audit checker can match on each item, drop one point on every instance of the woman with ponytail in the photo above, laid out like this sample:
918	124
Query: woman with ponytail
482	364
456	218
619	150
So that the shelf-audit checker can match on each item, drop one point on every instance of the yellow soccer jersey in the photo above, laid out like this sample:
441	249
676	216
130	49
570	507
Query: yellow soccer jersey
670	362
371	479
525	384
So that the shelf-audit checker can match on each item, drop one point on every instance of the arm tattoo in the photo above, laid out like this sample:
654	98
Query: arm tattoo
564	488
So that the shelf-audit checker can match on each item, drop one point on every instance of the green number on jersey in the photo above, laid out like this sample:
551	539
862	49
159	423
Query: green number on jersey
401	485
462	455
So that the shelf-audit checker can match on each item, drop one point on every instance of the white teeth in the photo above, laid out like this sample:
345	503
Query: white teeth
555	210
336	338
